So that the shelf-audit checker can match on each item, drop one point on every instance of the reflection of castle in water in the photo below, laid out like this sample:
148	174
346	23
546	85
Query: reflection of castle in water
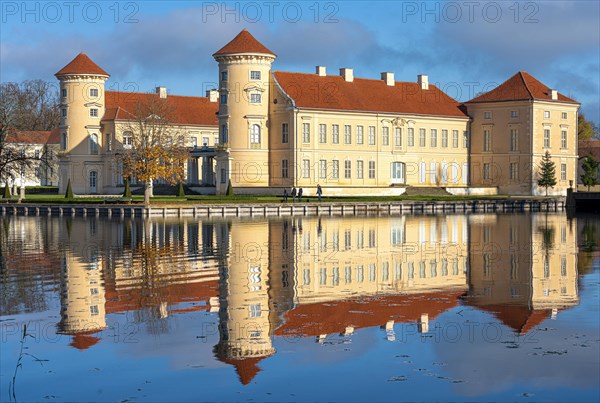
315	277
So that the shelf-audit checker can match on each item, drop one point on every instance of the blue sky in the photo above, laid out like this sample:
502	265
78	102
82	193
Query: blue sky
464	47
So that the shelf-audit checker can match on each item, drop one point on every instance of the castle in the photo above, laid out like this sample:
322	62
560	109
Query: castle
265	131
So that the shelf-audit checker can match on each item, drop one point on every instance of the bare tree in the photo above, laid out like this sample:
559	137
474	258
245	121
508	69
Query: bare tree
155	149
29	106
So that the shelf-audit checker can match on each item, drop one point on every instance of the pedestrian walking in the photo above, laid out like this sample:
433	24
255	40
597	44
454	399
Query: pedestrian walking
300	195
319	192
285	195
293	195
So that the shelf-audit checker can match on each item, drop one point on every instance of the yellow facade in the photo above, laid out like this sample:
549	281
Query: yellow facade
268	142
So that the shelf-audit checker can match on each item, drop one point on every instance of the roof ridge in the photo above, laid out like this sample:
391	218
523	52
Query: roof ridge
525	83
152	93
355	78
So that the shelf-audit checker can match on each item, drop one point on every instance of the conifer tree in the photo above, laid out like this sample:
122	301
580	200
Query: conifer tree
590	172
547	172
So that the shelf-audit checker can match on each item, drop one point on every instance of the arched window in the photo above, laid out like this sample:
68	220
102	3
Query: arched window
255	134
93	144
398	172
63	141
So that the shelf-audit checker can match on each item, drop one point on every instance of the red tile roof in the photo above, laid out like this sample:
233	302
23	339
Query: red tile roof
366	95
186	110
244	42
35	137
333	317
589	147
82	64
521	86
519	318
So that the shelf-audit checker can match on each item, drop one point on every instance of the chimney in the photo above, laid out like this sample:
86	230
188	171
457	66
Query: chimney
212	95
161	91
554	95
423	81
321	71
347	74
388	77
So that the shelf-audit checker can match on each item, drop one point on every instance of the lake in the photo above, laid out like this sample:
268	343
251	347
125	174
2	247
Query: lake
501	307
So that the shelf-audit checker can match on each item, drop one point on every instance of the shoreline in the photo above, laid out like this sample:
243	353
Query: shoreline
274	209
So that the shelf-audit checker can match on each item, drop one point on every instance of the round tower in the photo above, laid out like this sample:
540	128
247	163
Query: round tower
244	79
81	109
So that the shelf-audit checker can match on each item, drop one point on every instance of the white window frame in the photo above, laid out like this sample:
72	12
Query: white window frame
347	134
306	169
371	135
398	172
322	169
360	132
398	137
306	132
255	75
422	137
285	133
444	138
547	135
411	137
385	136
322	133
255	134
335	134
335	169
255	98
360	165
372	169
347	169
563	139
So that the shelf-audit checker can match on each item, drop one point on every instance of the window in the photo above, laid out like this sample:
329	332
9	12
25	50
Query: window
108	142
285	133
514	171
94	144
254	75
224	75
223	175
385	136
398	137
563	115
322	133
224	134
64	92
306	168
127	139
371	169
223	99
335	169
487	140
335	134
255	98
514	140
433	138
372	135
347	169
514	114
445	138
347	134
466	139
563	172
454	138
546	138
194	141
284	168
322	169
359	134
359	169
398	172
205	141
94	92
94	112
306	132
563	139
546	114
64	112
422	135
487	115
94	310
486	171
63	141
411	137
255	134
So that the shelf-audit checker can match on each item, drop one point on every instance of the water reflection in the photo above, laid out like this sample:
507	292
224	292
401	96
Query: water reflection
291	278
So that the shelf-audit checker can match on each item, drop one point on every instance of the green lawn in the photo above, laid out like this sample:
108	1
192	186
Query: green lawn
256	199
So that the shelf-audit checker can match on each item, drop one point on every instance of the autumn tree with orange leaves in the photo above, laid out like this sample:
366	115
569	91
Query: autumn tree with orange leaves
157	148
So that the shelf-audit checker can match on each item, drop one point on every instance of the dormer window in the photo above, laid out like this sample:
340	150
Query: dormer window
254	75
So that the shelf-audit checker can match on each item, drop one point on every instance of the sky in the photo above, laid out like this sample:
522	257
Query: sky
466	47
